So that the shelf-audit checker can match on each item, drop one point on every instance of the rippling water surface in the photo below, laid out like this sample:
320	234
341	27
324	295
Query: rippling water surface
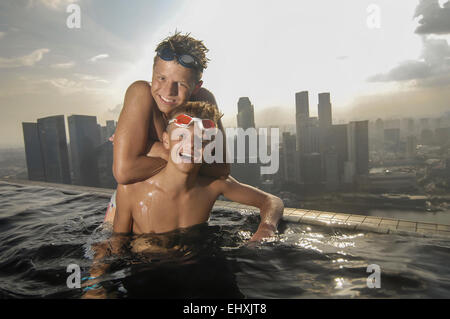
44	230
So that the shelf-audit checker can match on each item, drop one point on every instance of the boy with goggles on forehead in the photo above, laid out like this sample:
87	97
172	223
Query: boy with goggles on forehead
138	149
178	197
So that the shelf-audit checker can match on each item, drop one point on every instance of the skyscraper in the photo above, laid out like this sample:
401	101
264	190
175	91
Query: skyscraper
331	170
84	139
110	128
301	118
358	146
325	120
104	155
35	161
246	113
247	172
339	145
53	144
311	136
289	157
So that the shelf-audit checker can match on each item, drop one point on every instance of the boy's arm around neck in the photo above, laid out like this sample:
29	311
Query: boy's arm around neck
131	140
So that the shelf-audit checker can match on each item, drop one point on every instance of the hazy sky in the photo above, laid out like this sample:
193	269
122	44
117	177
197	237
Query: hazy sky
266	50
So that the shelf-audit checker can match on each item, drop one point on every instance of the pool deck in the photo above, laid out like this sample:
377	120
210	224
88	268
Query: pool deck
295	215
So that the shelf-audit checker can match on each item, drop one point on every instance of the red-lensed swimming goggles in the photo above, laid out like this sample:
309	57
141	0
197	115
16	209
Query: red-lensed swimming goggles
184	120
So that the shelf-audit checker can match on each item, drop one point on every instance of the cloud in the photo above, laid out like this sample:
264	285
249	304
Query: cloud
99	57
51	4
67	86
117	109
66	65
419	102
2	34
87	77
432	69
26	60
433	18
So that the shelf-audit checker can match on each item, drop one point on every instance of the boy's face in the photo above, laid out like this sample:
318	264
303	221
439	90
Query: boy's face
180	143
172	84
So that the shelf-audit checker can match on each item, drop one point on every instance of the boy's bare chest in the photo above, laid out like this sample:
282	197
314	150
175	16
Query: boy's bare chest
157	211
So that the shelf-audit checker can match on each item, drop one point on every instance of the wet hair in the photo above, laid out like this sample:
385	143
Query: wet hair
200	109
185	44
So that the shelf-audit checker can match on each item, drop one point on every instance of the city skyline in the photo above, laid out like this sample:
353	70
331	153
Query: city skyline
319	156
48	69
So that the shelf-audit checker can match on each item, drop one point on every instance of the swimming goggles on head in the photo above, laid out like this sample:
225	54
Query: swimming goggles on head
184	120
188	61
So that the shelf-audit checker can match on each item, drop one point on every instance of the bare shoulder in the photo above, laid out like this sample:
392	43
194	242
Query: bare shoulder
140	87
205	95
138	99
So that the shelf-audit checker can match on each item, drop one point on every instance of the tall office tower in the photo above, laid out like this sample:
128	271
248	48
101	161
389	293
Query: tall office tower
52	137
302	124
339	145
325	120
311	166
331	170
247	172
102	133
110	128
311	136
84	139
35	162
392	139
104	155
358	146
301	117
246	113
289	158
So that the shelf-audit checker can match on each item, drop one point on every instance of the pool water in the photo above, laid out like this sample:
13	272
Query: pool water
44	230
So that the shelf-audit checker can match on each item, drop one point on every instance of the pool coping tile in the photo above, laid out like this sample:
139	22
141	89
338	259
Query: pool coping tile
426	226
314	217
356	218
291	218
445	228
372	220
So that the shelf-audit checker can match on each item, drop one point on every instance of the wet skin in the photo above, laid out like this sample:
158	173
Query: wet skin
178	197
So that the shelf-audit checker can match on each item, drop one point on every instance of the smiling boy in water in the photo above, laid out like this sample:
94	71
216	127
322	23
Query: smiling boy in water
178	197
